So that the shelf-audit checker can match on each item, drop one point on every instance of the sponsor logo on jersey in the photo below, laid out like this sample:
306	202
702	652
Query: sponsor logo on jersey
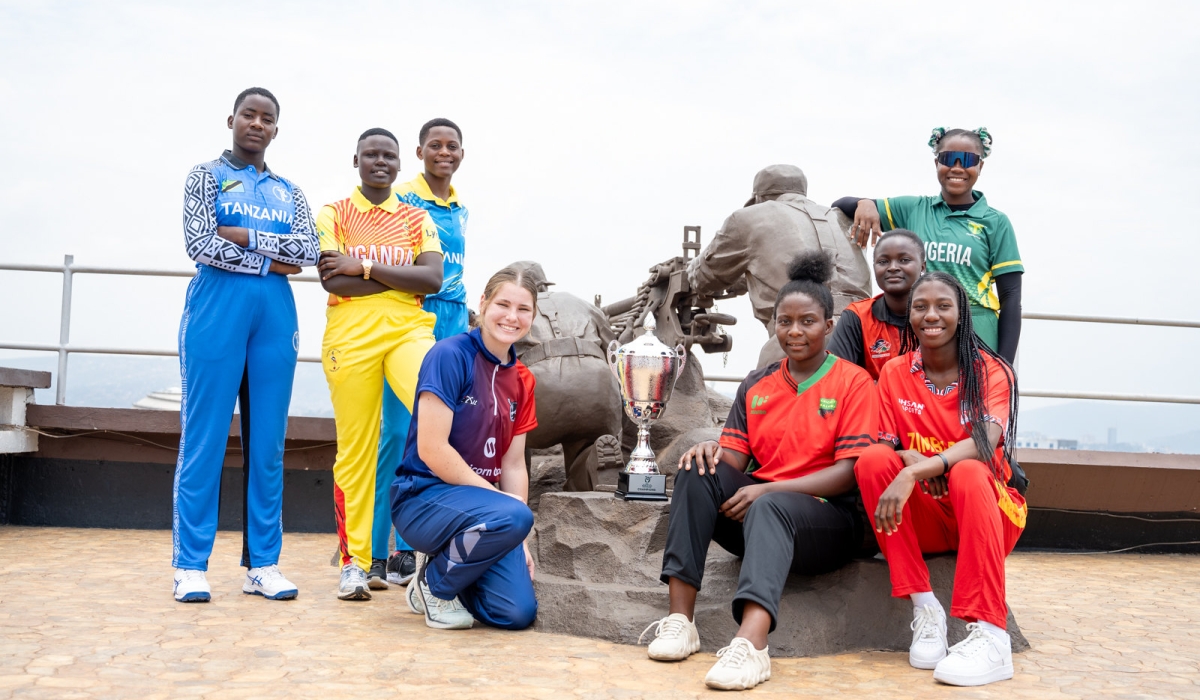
470	400
911	406
333	357
826	407
881	348
281	193
489	448
921	443
756	403
512	410
976	229
296	341
253	211
948	252
232	186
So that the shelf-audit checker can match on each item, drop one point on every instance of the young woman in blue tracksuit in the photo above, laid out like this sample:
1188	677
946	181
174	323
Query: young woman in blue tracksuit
460	491
247	229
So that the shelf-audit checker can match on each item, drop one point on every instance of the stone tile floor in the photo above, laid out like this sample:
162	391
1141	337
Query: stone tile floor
89	613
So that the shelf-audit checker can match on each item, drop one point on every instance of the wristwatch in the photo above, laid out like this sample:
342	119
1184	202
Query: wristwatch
367	269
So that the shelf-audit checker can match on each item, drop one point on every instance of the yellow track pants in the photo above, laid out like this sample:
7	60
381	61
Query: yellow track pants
366	341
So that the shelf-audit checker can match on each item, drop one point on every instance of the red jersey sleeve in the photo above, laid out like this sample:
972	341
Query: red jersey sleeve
859	421
889	426
998	389
734	435
527	412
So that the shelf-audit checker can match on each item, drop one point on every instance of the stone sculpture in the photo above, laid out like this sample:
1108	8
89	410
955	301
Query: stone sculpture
578	406
755	245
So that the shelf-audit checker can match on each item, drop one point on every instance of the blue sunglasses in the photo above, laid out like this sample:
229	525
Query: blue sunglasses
968	159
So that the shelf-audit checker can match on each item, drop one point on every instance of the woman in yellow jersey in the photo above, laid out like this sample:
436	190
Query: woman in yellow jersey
378	257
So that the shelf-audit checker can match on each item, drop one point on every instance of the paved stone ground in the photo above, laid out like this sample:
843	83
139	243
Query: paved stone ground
89	613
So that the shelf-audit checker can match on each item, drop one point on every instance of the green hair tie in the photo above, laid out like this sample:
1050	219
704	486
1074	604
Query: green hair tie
985	138
936	137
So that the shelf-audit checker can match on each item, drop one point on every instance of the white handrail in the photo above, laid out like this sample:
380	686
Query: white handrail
68	269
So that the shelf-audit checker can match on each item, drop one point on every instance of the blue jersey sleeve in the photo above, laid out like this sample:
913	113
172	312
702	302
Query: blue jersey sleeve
200	228
445	372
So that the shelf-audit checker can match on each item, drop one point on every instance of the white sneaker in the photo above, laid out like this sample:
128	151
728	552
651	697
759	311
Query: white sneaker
267	582
675	638
979	659
412	594
191	586
353	584
739	667
929	637
439	614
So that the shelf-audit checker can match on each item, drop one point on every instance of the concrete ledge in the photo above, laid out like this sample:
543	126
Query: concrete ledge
152	437
1119	482
28	378
598	564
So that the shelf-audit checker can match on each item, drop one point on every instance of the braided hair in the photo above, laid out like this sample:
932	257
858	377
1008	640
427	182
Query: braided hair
809	274
972	373
981	136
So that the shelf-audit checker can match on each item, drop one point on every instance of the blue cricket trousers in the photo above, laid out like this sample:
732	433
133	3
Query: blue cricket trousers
451	320
238	341
473	537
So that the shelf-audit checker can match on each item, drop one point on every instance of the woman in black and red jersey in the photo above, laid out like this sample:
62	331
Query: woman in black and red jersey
947	421
777	489
868	333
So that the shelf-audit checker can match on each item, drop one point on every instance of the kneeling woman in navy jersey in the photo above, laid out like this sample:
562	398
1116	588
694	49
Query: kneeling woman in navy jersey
460	490
949	412
777	490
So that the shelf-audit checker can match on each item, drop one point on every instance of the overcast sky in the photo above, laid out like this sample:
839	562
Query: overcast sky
595	131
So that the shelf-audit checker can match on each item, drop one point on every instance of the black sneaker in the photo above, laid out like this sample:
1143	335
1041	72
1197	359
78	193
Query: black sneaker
377	577
400	567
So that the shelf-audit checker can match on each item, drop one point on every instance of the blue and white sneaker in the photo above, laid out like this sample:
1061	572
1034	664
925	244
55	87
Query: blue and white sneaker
267	582
191	586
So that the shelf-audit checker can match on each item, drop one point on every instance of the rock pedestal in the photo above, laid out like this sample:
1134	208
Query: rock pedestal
599	559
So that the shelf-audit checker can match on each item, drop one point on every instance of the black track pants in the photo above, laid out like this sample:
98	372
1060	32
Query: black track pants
781	532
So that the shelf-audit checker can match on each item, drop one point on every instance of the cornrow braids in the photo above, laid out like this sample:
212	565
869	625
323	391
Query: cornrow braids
982	135
972	374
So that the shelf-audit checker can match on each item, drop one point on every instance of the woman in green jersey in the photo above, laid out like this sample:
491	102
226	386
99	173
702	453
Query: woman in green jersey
963	236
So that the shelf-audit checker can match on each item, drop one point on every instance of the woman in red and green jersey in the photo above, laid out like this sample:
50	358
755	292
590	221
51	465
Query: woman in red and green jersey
948	413
964	237
868	333
778	489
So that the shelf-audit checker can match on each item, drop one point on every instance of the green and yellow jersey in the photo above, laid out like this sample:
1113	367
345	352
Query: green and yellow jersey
975	245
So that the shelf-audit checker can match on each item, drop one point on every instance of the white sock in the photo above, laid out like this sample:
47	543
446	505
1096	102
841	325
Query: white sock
920	600
997	632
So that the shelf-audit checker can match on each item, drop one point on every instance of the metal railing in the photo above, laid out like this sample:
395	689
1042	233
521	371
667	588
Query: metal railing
64	348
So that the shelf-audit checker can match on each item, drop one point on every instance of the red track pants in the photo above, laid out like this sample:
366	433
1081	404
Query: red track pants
969	520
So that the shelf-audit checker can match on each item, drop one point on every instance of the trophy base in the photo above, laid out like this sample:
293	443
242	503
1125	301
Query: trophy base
642	487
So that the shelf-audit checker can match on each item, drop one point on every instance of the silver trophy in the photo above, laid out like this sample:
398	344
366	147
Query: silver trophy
646	371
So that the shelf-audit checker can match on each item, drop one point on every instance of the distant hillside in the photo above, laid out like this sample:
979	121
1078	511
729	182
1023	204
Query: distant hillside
1161	427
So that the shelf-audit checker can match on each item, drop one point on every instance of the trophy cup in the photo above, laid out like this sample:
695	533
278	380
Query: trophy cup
646	371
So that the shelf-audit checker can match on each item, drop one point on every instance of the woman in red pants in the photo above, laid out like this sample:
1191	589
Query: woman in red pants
947	422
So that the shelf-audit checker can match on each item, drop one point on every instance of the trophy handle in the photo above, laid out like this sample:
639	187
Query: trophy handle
613	346
681	353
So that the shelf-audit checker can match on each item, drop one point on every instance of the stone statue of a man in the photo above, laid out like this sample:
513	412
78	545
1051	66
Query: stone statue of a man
756	244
